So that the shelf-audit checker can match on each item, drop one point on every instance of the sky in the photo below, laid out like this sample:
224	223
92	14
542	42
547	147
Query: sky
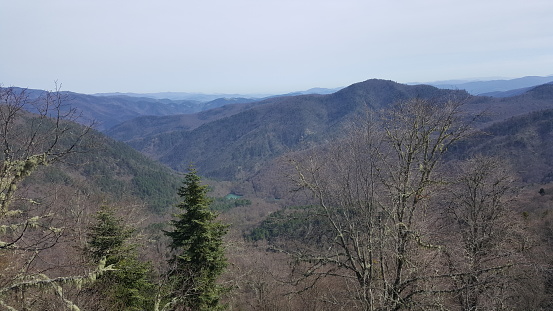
267	46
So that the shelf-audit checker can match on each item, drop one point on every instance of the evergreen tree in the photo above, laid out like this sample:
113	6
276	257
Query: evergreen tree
197	243
128	287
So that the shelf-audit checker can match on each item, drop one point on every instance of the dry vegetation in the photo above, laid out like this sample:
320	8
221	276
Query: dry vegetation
375	221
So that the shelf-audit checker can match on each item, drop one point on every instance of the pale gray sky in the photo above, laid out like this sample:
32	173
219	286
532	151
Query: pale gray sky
267	46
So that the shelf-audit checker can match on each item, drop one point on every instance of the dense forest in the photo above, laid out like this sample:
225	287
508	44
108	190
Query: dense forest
380	196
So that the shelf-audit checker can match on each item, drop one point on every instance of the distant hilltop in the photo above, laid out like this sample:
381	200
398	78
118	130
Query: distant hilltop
494	88
202	97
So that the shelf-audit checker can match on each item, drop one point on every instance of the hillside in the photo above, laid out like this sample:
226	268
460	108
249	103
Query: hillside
112	171
524	140
151	125
238	136
236	145
243	145
95	164
107	111
500	109
518	129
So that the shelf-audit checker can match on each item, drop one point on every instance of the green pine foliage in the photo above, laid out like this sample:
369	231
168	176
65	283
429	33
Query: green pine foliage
128	287
296	223
197	242
223	205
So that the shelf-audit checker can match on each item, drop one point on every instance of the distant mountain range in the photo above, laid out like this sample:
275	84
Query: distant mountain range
235	141
201	97
485	87
495	88
233	138
110	110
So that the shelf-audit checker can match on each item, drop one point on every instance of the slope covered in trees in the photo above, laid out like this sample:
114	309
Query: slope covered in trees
391	224
82	216
238	145
524	140
398	208
234	142
55	174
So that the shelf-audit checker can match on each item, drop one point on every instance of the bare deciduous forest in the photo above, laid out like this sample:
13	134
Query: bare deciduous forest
406	206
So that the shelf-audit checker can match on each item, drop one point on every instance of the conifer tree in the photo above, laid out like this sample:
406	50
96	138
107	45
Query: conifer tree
197	243
128	286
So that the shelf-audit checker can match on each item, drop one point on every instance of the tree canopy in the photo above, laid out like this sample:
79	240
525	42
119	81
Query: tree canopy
197	243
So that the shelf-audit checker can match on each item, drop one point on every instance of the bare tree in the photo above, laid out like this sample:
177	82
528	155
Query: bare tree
373	189
33	140
35	131
487	249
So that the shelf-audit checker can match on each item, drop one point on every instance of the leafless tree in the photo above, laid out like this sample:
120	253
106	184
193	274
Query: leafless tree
35	131
488	250
373	189
31	140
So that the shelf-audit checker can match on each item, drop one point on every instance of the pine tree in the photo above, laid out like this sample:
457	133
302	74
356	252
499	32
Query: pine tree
128	287
197	243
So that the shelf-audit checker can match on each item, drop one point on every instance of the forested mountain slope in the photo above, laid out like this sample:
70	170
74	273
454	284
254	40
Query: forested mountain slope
500	109
96	164
235	140
237	145
107	111
518	129
110	110
153	125
111	170
55	175
523	140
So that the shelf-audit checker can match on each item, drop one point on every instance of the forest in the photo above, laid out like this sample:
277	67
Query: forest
420	200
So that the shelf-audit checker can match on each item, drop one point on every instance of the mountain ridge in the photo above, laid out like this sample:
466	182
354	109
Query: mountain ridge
494	87
236	145
234	140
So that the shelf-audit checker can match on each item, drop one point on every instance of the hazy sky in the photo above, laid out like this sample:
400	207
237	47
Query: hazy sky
267	46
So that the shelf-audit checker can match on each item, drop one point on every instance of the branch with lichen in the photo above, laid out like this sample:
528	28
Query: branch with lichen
12	173
42	281
20	228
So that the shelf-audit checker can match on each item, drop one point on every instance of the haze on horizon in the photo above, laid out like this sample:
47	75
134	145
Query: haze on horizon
248	46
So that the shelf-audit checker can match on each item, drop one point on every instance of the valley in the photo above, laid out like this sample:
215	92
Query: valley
357	197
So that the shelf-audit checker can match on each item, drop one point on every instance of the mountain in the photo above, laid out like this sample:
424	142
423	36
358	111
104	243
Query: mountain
490	87
238	136
523	140
521	134
97	167
315	90
239	143
108	111
202	97
500	109
223	101
198	97
510	92
517	129
116	169
152	125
